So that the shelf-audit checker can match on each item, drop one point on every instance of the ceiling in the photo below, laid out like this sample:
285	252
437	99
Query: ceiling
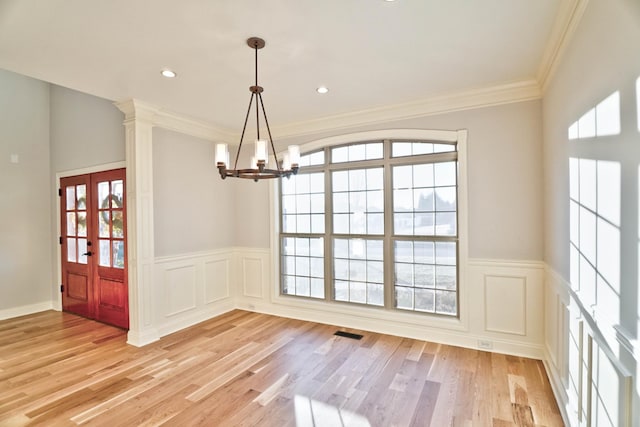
370	53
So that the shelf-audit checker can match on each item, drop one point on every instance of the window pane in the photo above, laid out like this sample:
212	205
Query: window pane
403	177
81	195
71	223
356	273
443	148
423	199
445	174
303	223
118	254
82	249
317	224
400	149
375	294
446	302
302	266
103	195
404	298
289	285
340	181
446	199
82	224
341	289
71	198
105	254
446	224
103	223
316	183
429	269
340	154
423	175
375	150
446	253
71	250
375	201
303	203
317	288
357	180
289	223
425	300
357	152
117	193
117	225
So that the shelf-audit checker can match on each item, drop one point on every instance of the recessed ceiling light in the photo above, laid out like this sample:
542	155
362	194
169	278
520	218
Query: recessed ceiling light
322	89
168	73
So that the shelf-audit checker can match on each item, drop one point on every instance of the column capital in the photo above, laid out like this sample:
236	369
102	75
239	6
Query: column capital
139	111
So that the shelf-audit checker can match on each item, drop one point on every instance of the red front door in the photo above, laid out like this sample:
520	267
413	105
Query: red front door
94	247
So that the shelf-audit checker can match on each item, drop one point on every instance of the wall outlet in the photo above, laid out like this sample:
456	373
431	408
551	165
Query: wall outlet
485	345
251	307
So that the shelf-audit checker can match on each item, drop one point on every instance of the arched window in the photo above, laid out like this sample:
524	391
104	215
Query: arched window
374	223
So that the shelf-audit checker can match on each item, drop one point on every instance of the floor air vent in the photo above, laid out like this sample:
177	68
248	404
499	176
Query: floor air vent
348	335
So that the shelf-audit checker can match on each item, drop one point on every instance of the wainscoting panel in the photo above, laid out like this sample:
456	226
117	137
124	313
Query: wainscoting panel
217	276
591	371
180	284
507	301
511	291
191	288
503	307
254	271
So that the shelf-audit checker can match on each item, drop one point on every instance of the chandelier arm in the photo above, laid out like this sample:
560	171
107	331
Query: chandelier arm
244	128
257	88
264	112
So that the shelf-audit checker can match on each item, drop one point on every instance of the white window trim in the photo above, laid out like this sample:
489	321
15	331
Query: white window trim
301	305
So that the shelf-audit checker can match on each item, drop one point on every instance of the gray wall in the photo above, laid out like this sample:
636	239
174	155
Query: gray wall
193	207
85	130
504	176
25	205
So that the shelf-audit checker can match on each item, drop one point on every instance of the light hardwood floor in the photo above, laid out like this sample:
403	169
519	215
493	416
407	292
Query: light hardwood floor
249	369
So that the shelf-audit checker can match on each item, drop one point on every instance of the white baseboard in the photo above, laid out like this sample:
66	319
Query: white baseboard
25	309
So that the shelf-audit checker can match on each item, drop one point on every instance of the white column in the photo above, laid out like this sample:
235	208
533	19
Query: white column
140	239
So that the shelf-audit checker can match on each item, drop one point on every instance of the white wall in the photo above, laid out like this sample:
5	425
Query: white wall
25	206
602	58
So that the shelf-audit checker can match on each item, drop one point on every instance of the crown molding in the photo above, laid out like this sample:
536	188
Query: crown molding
134	109
566	23
520	91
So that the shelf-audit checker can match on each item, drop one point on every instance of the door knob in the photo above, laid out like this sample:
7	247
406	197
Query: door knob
88	253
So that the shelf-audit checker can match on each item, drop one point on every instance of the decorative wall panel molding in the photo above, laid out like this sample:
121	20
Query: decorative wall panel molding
511	292
191	288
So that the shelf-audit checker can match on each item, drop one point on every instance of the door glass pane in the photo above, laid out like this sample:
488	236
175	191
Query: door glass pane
103	195
117	189
118	254
82	224
71	198
71	250
71	223
81	193
105	258
103	220
118	225
82	249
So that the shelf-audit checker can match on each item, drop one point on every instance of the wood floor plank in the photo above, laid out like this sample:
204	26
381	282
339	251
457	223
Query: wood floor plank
249	369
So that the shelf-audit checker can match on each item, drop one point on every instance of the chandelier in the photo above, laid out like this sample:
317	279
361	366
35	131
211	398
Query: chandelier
259	167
